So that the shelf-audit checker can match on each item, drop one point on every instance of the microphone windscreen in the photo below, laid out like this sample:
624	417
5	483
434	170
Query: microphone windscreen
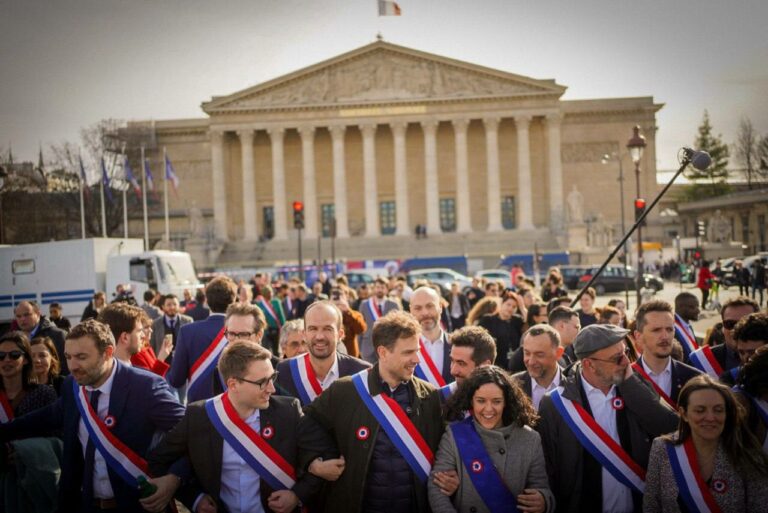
701	160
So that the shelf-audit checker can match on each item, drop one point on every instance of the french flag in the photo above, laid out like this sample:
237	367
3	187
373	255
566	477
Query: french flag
170	175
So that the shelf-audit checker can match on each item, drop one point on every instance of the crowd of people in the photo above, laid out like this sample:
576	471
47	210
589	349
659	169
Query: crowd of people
274	396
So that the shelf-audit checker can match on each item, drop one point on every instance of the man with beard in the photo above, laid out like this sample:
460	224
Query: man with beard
307	375
686	311
601	399
372	309
123	405
654	336
385	422
124	321
541	351
435	354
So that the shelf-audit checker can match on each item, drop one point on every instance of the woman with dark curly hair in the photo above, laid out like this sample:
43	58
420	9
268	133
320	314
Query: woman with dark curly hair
495	451
713	462
19	391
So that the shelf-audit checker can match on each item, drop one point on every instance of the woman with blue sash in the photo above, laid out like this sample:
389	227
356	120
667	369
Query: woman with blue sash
713	463
494	450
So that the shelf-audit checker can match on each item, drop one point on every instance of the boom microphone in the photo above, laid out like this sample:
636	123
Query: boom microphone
699	159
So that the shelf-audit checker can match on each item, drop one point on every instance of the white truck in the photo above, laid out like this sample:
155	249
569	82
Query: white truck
70	272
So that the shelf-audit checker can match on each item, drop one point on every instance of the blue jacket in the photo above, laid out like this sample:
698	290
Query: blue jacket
193	340
141	403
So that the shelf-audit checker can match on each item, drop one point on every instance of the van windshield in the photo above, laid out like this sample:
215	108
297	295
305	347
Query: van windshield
179	270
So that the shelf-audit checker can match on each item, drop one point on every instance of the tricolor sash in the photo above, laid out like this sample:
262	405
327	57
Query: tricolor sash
6	410
684	334
120	458
304	378
204	366
482	472
448	390
270	311
426	369
599	444
249	445
691	486
704	360
398	427
375	312
638	367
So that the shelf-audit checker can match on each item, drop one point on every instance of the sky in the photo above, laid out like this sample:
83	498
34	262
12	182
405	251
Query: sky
66	64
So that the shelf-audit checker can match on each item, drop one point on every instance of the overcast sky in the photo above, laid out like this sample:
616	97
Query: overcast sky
65	64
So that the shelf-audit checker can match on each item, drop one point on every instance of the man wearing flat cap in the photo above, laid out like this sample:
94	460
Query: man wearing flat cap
597	427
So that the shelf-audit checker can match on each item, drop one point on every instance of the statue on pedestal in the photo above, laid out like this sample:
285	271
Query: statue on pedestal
575	202
719	230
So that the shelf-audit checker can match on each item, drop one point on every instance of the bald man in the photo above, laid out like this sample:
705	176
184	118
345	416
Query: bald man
435	354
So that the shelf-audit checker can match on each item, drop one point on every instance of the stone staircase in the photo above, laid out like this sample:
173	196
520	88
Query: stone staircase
486	246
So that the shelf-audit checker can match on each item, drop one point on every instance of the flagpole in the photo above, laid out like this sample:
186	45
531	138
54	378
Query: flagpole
103	208
165	197
82	206
144	200
125	213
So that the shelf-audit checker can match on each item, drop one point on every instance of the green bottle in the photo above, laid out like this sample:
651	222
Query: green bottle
145	487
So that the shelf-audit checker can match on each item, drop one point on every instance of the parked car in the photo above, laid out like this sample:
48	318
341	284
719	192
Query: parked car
572	274
439	276
496	275
614	277
357	277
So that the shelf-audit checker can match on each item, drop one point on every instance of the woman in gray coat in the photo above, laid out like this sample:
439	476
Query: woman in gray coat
495	444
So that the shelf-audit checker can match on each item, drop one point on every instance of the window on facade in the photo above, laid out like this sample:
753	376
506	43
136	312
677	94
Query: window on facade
761	231
508	212
387	217
448	214
745	229
269	222
327	218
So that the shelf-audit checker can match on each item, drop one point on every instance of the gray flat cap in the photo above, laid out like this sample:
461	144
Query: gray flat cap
596	337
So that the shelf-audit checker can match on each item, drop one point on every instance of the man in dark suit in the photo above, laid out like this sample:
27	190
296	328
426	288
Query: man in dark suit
223	478
199	312
426	307
541	352
372	308
324	332
566	321
198	336
654	336
34	324
169	323
133	403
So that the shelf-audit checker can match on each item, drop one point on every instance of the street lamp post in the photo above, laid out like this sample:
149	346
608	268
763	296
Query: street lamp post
636	145
616	156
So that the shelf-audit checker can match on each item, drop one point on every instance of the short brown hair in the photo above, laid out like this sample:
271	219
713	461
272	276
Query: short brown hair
96	331
739	301
120	317
541	329
656	305
753	327
246	309
237	356
392	327
48	343
220	293
479	340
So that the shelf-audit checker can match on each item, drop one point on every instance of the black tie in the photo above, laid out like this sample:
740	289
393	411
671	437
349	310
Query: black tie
90	452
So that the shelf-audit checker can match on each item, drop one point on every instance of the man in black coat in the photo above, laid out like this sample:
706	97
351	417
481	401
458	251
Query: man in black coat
31	322
541	351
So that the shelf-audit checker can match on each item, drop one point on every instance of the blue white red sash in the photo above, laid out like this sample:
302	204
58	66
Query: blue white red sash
249	445
448	390
374	310
704	360
398	427
120	458
426	369
638	367
6	410
482	472
599	444
270	311
684	334
304	378
690	485
204	366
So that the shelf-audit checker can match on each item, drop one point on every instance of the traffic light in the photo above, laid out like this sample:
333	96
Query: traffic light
639	209
298	215
701	228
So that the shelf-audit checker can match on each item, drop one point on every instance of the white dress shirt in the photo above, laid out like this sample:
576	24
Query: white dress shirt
538	391
240	484
102	488
663	379
333	373
436	350
617	498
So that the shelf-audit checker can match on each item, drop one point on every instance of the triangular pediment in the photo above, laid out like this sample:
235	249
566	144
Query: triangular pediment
382	73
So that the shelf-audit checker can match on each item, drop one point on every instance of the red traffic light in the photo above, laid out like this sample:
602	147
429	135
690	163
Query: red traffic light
298	206
640	203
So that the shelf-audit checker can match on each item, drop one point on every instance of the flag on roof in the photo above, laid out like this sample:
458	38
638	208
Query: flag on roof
170	175
105	181
131	178
388	8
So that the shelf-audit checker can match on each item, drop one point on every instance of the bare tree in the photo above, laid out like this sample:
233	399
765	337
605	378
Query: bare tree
745	150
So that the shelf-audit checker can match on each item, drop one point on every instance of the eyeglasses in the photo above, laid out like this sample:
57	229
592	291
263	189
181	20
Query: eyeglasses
616	360
729	324
262	382
14	355
231	335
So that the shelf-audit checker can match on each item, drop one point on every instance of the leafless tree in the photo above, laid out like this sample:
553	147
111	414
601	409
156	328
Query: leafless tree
745	150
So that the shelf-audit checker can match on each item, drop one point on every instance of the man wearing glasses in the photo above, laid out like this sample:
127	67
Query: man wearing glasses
600	399
242	445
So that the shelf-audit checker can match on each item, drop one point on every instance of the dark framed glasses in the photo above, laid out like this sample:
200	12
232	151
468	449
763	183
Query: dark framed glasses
13	355
233	335
261	383
616	359
729	324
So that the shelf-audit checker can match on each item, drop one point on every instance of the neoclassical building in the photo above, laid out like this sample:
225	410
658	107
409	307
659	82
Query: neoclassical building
384	138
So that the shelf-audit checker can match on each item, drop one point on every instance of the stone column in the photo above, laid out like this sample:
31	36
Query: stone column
401	180
369	180
493	184
307	134
339	181
462	176
430	176
524	200
219	187
555	171
249	185
278	184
